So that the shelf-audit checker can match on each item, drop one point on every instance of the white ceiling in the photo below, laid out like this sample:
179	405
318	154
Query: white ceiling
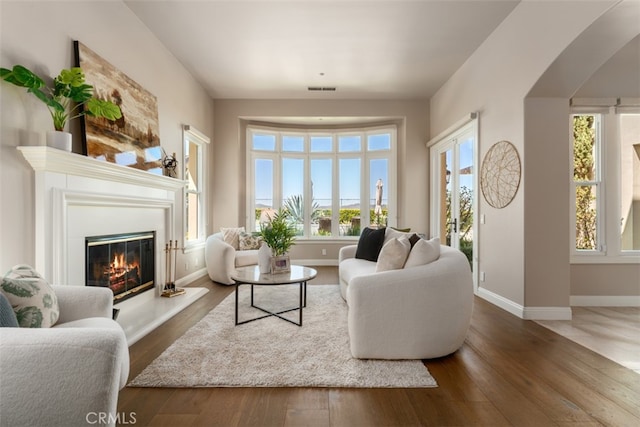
368	49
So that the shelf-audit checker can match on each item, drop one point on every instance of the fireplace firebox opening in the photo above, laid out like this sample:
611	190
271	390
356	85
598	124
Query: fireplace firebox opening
125	263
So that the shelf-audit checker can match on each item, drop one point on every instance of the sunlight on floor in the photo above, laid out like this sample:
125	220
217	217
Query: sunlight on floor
613	332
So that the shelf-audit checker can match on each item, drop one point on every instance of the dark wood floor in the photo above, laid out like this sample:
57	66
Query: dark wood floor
508	372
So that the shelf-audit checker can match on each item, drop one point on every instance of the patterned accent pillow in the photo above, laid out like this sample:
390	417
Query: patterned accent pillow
231	236
32	298
248	241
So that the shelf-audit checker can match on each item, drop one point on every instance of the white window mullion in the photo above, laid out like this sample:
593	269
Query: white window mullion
266	148
335	196
601	237
308	202
365	217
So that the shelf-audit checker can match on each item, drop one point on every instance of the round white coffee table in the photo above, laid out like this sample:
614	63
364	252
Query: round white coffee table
250	275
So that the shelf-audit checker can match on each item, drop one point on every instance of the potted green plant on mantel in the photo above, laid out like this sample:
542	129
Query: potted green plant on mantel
68	88
279	235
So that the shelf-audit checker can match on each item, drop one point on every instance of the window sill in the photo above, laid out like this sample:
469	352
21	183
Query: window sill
325	240
192	247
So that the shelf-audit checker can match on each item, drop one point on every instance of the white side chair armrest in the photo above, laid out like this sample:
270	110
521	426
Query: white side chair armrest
347	252
220	259
78	302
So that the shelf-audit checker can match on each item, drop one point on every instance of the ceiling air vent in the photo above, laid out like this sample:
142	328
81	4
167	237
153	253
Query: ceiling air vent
321	89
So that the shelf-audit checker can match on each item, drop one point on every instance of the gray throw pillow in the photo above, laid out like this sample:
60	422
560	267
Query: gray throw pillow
8	317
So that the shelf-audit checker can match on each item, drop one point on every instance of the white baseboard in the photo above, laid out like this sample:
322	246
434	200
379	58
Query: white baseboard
528	313
605	300
502	302
189	278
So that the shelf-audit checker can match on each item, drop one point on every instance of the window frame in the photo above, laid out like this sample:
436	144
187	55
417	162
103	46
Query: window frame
608	204
597	182
190	135
335	155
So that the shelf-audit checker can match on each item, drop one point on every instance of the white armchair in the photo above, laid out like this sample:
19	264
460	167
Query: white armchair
221	259
69	374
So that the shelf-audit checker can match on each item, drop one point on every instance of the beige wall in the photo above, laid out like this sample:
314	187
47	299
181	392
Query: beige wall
546	206
495	82
39	35
229	174
605	279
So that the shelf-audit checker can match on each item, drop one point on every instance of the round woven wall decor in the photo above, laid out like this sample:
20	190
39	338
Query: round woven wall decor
500	174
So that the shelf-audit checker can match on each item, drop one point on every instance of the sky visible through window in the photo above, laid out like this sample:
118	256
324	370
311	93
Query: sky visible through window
321	168
466	162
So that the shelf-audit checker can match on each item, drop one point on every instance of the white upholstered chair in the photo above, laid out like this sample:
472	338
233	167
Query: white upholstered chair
69	374
222	258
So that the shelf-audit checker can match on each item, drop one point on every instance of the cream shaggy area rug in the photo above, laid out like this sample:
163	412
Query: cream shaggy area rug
274	353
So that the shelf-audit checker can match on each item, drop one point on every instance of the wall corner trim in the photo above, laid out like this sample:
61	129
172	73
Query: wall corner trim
502	302
457	125
527	313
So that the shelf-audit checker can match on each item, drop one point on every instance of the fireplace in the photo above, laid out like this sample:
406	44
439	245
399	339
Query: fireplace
125	263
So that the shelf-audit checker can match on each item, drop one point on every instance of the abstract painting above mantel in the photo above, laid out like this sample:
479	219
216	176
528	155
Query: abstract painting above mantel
132	140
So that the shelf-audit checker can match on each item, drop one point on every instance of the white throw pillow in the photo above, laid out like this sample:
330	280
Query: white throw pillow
391	233
393	254
32	298
248	241
423	252
231	235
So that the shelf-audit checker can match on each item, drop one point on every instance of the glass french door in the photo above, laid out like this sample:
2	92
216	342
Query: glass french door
453	178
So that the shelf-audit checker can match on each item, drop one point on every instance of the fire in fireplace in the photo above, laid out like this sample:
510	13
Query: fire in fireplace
125	263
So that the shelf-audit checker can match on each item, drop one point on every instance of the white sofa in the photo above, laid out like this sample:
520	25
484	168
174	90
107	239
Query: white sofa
420	312
69	374
221	259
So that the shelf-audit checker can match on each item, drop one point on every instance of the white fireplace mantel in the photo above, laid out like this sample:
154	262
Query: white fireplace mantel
78	196
42	158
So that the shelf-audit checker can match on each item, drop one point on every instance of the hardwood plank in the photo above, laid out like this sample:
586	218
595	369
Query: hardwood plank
454	381
432	407
308	398
596	394
482	414
513	403
172	420
613	332
143	404
264	407
517	370
223	408
353	407
307	417
187	401
509	372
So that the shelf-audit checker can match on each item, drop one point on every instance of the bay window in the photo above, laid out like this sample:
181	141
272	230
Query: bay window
332	182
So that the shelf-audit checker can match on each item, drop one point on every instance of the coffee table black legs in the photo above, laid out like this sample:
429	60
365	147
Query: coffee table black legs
302	304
